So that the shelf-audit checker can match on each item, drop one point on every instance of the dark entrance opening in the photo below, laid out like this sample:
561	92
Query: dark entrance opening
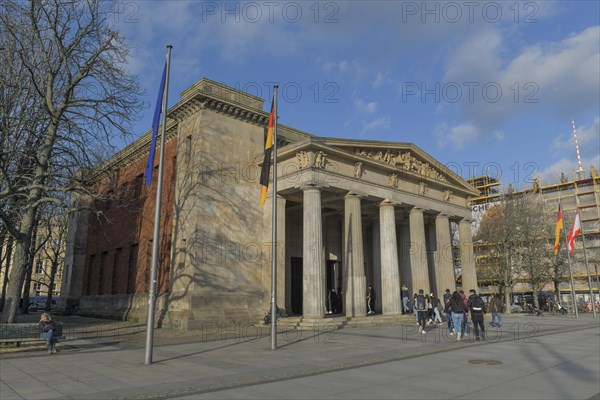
296	285
333	282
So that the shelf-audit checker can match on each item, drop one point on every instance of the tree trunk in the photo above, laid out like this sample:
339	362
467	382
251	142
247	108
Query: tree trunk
51	284
556	288
507	300
7	260
3	238
29	270
19	267
535	292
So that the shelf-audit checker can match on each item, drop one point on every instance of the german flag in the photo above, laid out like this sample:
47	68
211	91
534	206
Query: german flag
559	227
266	167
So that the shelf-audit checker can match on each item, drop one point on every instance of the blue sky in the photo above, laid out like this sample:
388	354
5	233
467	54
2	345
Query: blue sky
481	86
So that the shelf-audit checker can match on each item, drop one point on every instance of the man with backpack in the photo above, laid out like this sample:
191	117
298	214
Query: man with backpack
477	308
422	310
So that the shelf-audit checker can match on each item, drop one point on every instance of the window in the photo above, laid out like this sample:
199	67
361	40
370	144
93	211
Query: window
37	288
101	272
115	271
90	271
137	186
132	268
39	267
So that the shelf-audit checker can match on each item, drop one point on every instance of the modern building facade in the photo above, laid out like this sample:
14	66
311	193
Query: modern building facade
579	193
350	213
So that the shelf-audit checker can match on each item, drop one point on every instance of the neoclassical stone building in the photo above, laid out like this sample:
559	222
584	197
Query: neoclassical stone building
351	213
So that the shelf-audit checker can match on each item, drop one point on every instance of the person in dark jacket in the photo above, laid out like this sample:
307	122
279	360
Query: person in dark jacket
447	297
47	329
458	309
477	309
496	310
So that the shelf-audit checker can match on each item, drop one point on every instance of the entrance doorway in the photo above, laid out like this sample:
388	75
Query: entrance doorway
296	285
333	284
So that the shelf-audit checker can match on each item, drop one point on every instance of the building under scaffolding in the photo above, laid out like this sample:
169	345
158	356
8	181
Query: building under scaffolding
583	194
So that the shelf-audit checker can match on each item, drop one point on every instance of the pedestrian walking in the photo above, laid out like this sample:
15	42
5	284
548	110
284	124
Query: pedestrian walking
371	301
465	327
477	309
435	306
496	310
447	297
458	309
405	299
421	306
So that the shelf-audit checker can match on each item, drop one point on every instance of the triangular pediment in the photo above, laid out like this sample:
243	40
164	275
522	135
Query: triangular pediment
407	158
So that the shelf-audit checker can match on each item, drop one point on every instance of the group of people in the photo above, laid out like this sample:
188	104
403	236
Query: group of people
456	309
334	301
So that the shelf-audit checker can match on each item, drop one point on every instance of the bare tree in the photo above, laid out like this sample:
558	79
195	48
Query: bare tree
494	249
52	244
515	243
64	90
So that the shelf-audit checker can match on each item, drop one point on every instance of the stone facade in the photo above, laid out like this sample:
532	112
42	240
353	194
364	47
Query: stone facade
350	214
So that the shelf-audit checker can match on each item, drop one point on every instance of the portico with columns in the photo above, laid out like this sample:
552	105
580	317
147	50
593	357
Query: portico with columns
350	214
365	213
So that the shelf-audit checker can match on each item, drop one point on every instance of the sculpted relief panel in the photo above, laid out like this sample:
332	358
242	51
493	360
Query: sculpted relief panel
309	159
404	160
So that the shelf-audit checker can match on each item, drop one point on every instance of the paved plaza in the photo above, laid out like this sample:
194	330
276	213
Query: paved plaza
546	357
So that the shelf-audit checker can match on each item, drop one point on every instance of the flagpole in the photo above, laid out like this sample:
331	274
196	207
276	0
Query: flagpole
571	274
274	229
587	269
155	238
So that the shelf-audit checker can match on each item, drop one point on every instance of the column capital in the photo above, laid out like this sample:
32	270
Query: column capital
353	194
465	220
443	215
388	202
417	209
311	187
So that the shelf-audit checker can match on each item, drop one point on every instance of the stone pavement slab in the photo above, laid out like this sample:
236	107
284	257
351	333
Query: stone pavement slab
115	370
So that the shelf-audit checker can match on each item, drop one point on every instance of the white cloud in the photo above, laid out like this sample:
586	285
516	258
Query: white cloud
563	146
559	77
588	138
377	124
568	167
379	79
456	136
365	107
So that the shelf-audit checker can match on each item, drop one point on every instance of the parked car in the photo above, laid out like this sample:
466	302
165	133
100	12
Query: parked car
38	303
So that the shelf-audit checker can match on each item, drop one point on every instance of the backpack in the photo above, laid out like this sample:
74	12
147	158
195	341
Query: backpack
477	305
421	303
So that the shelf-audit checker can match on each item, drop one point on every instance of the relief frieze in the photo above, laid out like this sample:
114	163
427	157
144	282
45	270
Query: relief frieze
403	160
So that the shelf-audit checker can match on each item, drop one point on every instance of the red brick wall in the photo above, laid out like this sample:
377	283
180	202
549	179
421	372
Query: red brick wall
119	246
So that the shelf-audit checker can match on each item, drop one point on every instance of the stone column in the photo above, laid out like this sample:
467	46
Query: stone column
467	258
390	275
444	266
313	303
376	264
281	256
355	288
418	251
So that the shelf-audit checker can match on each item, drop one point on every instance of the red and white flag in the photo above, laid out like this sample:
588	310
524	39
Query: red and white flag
575	231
